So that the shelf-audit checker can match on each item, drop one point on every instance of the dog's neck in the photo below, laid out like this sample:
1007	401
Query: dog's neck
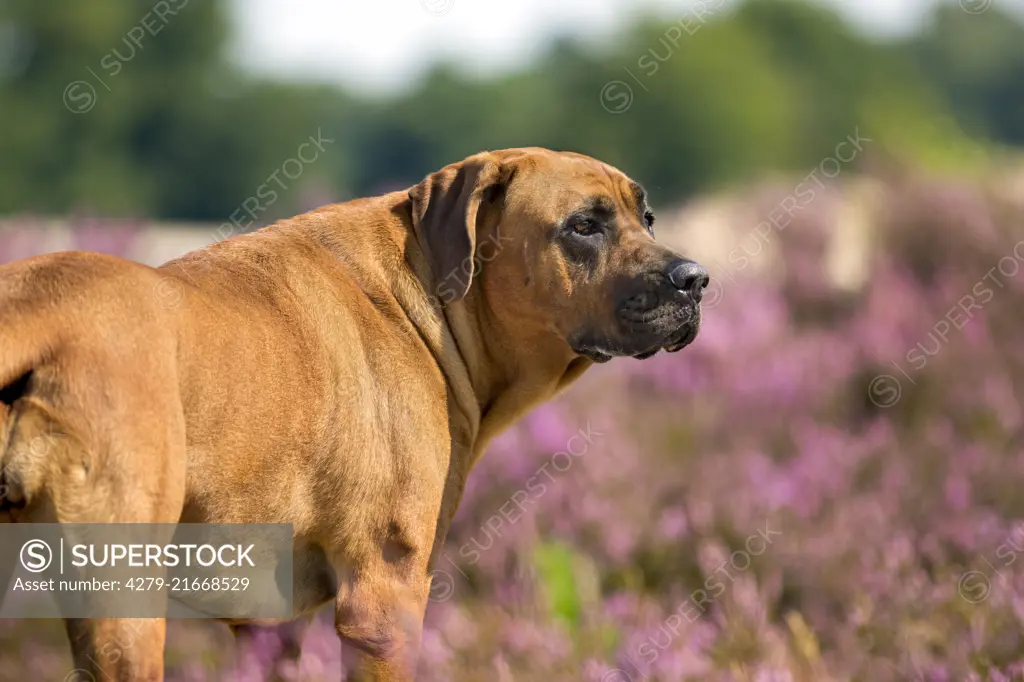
510	372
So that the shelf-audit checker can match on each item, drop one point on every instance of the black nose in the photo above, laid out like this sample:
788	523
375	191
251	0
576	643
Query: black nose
689	277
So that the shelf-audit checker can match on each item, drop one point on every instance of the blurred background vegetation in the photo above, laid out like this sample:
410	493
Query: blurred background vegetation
184	134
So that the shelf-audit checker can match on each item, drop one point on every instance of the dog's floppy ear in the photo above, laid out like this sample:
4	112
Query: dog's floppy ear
445	214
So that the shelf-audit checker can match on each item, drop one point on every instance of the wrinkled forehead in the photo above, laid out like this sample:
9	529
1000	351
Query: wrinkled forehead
561	182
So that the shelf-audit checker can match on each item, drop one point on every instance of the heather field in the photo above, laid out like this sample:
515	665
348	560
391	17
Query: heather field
827	485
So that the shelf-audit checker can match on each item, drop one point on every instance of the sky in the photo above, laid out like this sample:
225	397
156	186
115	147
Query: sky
383	45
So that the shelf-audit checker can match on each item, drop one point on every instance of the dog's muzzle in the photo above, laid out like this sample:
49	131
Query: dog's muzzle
663	315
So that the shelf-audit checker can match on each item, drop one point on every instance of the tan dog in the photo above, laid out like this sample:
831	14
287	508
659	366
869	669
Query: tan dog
341	371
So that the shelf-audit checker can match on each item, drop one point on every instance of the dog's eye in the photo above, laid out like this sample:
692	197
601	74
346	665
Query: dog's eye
584	226
649	219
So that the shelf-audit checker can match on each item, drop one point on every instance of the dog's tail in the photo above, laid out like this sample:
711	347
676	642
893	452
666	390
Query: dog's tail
28	335
18	357
21	350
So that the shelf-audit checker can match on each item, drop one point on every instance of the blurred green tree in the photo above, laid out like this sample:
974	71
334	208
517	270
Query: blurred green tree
128	108
132	108
977	62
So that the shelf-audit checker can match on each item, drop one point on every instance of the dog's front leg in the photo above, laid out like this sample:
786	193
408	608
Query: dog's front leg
117	649
379	617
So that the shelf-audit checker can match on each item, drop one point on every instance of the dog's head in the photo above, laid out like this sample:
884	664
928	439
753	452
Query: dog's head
558	243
